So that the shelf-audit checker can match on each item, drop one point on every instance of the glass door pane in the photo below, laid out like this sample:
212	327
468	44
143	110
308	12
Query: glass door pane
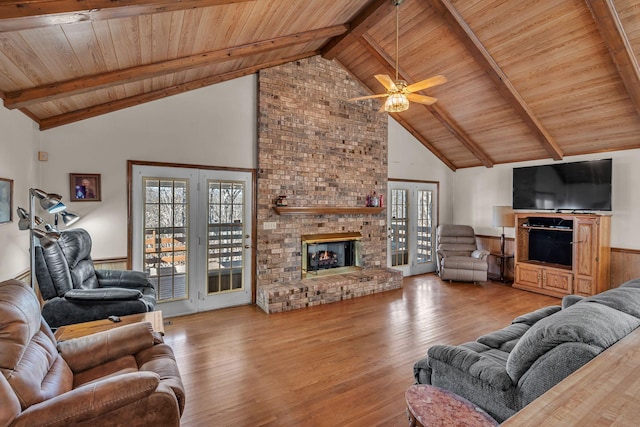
398	227
225	258
425	233
166	242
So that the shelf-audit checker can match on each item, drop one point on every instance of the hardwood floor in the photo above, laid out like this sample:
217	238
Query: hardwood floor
341	364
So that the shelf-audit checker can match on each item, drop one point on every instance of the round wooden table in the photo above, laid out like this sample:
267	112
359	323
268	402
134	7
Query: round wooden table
430	406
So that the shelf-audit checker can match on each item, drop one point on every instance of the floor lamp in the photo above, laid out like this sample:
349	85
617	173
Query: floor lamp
29	221
503	216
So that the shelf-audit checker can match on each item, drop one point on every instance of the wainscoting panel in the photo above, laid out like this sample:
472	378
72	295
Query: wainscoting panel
625	265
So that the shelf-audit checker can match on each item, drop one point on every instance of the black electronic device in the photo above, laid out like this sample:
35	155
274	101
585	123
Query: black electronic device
576	186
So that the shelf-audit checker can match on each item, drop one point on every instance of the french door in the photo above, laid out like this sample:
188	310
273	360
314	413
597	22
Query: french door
192	236
412	220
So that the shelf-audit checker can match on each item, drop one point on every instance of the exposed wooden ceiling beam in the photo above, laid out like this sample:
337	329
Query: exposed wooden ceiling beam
120	104
461	29
48	92
21	15
438	112
367	18
606	16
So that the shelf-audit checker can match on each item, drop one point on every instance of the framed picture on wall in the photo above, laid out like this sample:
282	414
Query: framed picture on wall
6	200
85	187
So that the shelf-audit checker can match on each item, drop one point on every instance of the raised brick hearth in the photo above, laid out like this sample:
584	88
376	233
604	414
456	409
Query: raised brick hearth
303	293
319	150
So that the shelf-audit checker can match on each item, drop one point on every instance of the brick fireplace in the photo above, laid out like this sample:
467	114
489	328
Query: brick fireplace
318	150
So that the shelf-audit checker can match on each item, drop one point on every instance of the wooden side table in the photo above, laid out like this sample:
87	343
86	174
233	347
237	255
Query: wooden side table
501	260
77	330
431	406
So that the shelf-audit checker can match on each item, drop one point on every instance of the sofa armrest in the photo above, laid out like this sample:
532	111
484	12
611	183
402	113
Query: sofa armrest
10	403
123	279
552	368
480	254
103	294
90	400
92	350
474	364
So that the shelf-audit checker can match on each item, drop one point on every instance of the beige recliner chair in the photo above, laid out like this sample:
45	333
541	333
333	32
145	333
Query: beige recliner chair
122	377
459	258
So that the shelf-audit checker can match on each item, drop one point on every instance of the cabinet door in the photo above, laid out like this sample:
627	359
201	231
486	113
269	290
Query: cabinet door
557	281
528	275
584	286
584	247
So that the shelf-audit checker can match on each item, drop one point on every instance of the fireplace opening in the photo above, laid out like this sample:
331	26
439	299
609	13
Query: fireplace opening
325	254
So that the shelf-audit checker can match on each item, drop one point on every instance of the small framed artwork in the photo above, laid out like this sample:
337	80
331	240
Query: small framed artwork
6	200
85	187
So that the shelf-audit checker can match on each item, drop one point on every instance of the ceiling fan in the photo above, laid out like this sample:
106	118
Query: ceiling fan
398	92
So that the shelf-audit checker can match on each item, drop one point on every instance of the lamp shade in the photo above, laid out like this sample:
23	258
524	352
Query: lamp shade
396	103
58	207
69	218
503	216
25	223
49	201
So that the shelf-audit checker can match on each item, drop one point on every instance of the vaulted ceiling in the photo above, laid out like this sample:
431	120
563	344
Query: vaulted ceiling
526	79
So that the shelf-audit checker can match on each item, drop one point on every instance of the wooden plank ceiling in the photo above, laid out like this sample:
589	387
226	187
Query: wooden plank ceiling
526	80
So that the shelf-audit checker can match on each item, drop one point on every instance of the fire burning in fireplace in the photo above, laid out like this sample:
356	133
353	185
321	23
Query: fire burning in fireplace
323	259
339	252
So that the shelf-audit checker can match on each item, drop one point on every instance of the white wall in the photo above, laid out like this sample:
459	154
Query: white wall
477	190
409	159
213	126
18	147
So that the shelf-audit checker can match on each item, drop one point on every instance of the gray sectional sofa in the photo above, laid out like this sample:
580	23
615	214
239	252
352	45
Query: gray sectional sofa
507	369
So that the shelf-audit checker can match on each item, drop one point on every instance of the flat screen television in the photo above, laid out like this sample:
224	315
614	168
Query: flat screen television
577	186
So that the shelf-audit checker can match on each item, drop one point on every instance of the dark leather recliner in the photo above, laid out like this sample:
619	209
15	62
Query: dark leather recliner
75	292
125	376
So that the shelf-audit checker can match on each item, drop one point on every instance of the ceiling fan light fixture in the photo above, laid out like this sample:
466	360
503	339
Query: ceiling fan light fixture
396	103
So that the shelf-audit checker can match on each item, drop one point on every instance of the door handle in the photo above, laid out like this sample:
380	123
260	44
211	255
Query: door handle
247	246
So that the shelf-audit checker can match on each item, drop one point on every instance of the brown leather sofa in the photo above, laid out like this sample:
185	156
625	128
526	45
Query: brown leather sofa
122	377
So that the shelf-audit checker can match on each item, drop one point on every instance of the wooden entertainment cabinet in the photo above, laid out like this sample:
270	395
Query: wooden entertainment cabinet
559	254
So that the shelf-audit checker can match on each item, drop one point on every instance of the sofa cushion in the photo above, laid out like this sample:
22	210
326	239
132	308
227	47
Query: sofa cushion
569	300
624	299
596	325
464	263
635	283
29	359
508	336
535	316
487	367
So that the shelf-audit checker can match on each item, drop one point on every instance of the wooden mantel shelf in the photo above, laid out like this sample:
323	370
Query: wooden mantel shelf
327	210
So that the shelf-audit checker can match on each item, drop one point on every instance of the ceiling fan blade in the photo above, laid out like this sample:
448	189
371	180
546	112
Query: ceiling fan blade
368	97
433	81
386	81
381	110
421	99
